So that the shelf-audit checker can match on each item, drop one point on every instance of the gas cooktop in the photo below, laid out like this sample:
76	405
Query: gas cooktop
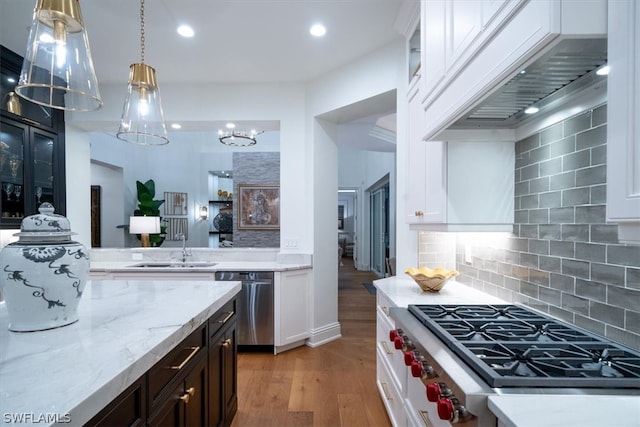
512	346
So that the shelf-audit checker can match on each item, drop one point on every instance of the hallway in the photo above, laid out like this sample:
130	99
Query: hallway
329	386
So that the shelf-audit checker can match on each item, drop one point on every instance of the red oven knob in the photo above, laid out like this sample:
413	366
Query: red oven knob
393	333
437	390
445	409
421	369
409	357
398	342
433	392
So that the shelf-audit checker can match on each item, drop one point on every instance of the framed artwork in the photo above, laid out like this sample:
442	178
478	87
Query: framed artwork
175	203
259	207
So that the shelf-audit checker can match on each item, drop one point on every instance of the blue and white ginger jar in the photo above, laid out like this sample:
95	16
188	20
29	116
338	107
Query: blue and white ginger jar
43	274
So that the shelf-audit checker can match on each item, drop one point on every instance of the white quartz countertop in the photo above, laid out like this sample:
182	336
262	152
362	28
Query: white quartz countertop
403	291
125	327
129	266
566	410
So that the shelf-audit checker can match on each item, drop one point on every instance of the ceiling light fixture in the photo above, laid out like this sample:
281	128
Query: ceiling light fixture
531	110
185	31
57	70
142	119
318	30
238	138
176	126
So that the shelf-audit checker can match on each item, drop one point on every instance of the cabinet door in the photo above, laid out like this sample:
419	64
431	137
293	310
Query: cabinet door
31	171
623	128
223	382
433	44
14	144
415	171
128	409
186	404
464	23
292	310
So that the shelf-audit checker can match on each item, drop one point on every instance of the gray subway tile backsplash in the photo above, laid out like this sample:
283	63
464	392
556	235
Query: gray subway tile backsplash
563	257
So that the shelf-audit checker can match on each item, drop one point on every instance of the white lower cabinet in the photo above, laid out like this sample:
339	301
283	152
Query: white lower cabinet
391	396
292	310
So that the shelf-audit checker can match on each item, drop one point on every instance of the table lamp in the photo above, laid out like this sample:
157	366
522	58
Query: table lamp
144	225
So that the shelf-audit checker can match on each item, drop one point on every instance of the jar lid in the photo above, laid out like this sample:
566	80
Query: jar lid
45	224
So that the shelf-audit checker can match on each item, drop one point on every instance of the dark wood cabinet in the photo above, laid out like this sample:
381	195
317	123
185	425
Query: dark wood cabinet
223	381
32	153
194	385
186	402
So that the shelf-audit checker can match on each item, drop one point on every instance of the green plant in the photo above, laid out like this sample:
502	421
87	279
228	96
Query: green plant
147	206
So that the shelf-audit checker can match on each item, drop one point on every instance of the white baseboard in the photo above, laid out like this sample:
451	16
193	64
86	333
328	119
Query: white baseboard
324	334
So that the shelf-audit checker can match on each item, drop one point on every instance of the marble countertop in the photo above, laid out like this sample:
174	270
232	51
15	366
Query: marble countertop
403	291
125	327
129	266
566	410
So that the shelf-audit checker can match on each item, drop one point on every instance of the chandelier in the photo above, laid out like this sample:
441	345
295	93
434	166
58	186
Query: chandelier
237	138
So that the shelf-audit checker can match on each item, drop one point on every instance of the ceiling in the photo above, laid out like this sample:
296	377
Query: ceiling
236	41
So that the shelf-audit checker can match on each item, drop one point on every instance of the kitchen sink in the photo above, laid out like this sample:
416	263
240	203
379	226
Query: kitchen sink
173	265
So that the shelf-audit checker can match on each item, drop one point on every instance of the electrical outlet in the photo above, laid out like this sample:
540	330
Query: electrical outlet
467	254
136	256
291	243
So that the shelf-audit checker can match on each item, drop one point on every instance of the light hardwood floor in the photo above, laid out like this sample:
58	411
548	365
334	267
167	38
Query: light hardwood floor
328	386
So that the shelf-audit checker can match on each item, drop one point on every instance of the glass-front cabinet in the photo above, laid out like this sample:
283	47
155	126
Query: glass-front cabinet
31	151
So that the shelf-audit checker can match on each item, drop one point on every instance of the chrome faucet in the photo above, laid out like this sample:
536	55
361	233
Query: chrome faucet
185	253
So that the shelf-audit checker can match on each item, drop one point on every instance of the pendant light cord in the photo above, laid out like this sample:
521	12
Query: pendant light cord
142	31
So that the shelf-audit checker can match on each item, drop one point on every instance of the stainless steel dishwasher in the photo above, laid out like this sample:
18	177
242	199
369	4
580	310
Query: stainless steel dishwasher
254	307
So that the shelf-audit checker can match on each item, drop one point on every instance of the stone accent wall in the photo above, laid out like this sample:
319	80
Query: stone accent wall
562	257
254	168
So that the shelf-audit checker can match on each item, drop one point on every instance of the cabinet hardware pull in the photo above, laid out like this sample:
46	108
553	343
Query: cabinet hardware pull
387	395
194	350
226	343
425	420
419	213
385	310
191	391
229	314
386	347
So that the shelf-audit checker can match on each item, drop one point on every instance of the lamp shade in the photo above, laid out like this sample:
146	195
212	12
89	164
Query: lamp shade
144	224
58	70
142	119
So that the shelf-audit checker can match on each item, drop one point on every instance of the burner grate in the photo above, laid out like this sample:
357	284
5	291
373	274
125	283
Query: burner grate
510	346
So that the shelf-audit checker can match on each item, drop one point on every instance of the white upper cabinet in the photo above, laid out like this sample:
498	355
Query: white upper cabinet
468	183
623	115
470	47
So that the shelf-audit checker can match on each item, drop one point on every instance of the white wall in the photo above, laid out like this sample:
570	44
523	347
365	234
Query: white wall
374	74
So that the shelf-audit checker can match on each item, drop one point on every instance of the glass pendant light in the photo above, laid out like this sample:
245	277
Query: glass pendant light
57	70
142	119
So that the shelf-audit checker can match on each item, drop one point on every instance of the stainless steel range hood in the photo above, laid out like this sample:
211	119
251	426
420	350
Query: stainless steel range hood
563	71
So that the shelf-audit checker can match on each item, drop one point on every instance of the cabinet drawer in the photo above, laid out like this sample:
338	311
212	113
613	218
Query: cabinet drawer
128	409
176	363
222	317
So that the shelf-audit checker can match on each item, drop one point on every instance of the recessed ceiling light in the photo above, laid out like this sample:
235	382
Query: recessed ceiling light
318	30
603	71
185	31
176	126
531	110
230	125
